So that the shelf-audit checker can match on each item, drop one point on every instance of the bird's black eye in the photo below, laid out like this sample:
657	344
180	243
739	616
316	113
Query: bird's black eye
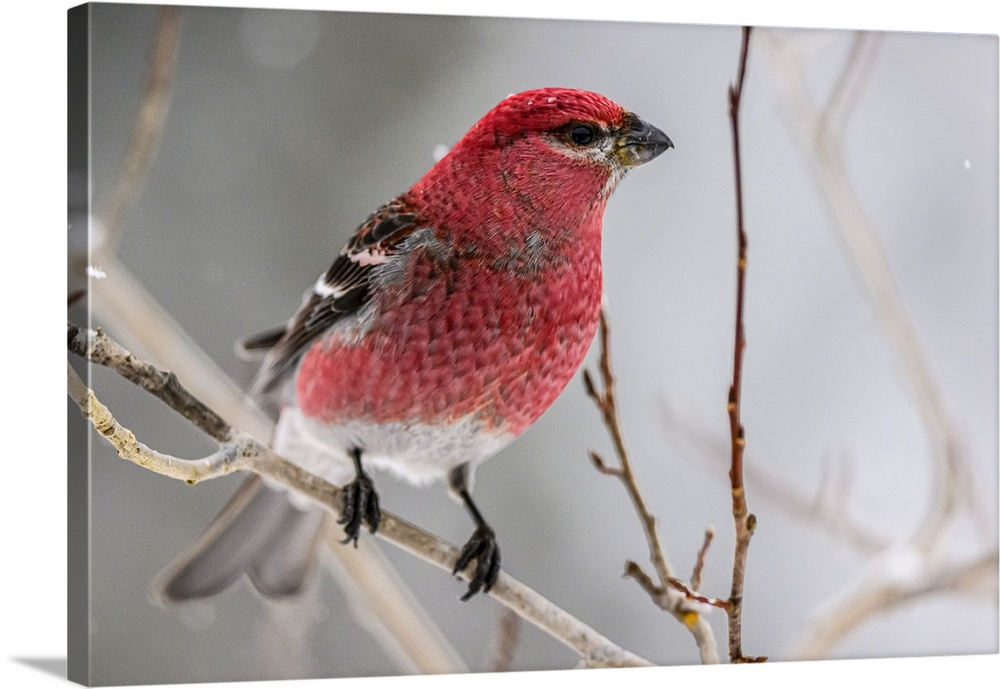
582	134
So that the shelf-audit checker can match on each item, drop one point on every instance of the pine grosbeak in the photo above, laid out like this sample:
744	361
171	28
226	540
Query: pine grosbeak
448	323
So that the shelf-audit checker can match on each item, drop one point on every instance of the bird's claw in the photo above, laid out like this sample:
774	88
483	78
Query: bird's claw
483	548
360	506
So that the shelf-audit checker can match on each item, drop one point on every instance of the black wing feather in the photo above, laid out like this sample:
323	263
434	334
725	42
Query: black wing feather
343	290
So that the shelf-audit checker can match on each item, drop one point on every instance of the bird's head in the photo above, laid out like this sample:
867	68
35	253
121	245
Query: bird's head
580	125
568	129
556	152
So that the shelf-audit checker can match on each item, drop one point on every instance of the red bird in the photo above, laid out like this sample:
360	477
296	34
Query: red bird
448	323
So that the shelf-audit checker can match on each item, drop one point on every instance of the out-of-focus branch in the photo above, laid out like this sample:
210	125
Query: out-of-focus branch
148	124
952	484
670	594
920	566
881	592
840	103
122	303
828	510
505	642
744	521
239	451
378	598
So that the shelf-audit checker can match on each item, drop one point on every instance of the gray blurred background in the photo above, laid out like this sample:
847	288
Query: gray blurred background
287	128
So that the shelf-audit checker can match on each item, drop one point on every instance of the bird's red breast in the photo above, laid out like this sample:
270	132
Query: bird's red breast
462	337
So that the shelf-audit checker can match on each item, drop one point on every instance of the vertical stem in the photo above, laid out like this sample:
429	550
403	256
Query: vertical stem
744	521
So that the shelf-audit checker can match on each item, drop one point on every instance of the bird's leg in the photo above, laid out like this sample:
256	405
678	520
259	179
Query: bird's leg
482	546
360	502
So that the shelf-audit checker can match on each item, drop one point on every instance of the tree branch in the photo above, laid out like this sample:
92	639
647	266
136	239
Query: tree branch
831	516
952	484
148	125
508	635
240	451
744	521
880	593
927	568
605	401
699	563
670	594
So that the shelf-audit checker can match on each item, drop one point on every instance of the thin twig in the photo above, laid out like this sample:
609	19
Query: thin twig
607	405
745	522
239	451
96	347
148	125
670	594
699	563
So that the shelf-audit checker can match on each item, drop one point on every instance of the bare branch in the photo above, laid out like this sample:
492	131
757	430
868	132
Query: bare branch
952	484
242	452
699	563
745	522
230	457
148	124
832	516
927	569
877	595
98	348
671	594
606	403
665	596
604	468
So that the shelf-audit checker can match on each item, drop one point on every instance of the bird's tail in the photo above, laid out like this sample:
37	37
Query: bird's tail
259	533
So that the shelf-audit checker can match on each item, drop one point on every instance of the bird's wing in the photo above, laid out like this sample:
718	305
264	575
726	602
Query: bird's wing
339	292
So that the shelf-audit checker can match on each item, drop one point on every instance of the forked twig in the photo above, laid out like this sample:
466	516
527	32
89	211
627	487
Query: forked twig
239	451
669	593
607	405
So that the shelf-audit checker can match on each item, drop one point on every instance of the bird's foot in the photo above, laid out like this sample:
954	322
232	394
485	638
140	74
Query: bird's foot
482	548
360	506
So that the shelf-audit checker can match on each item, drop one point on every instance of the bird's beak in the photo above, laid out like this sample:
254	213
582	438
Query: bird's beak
639	142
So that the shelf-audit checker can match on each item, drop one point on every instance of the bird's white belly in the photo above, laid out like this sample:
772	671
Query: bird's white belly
418	453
